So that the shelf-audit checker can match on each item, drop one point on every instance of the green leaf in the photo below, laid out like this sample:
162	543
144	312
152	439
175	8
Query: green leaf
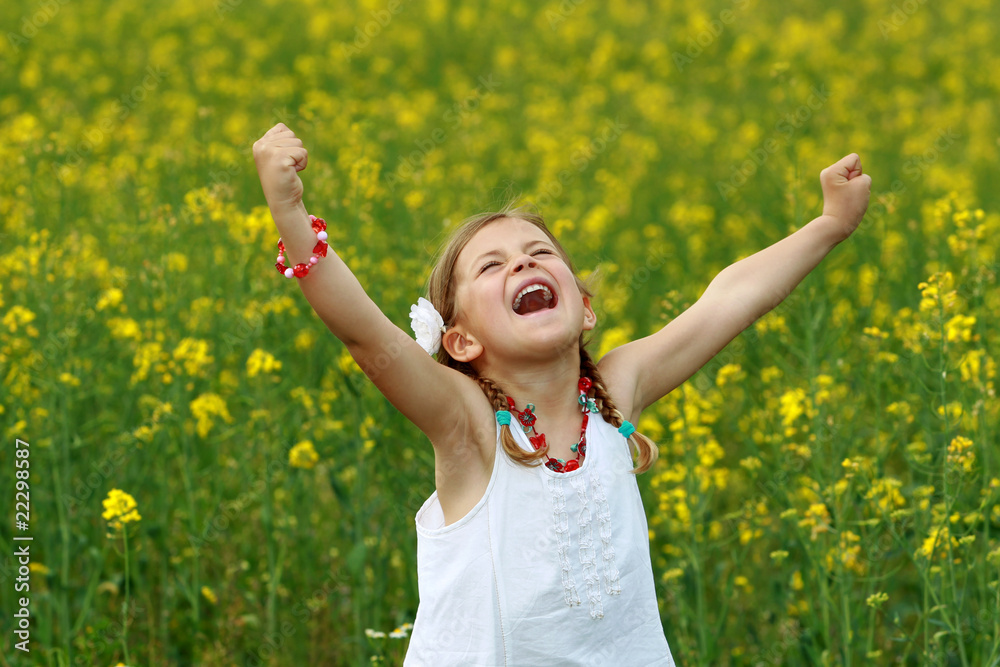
356	559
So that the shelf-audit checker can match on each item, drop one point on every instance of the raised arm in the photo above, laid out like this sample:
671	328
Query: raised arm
648	369
429	394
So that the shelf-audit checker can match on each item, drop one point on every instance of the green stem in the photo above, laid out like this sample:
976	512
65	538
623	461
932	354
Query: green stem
870	644
267	514
193	528
927	621
942	354
91	587
833	461
125	603
64	614
704	650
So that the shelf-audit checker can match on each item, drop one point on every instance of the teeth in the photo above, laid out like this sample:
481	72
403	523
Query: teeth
532	288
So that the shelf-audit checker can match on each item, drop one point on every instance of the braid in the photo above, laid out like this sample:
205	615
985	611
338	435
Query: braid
498	398
645	448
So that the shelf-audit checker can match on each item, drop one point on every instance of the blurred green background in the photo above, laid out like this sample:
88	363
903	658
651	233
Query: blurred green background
827	485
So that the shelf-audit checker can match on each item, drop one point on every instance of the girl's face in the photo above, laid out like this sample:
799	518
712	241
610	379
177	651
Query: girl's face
515	296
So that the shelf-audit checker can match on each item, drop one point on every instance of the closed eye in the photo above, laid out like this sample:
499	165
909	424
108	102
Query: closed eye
539	251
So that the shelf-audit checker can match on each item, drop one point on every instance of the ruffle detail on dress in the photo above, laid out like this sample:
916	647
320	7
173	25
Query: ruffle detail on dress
611	575
587	558
561	522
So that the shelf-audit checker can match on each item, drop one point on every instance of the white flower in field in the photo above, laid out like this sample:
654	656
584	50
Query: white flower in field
427	325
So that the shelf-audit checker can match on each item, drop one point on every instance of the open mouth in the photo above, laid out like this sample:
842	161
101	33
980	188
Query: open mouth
533	298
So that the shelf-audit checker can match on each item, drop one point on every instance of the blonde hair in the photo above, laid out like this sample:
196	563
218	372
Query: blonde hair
441	293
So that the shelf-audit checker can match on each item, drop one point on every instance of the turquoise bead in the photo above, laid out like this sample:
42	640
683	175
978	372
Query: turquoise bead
626	429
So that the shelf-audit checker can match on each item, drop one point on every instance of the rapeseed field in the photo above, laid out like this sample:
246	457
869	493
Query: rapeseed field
212	479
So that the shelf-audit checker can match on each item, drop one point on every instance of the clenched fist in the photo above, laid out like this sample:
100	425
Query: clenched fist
280	157
845	192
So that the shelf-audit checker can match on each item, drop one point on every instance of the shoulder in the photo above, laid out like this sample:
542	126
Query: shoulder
620	383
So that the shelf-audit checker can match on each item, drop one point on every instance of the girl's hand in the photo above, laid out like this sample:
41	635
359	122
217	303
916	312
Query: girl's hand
845	192
280	157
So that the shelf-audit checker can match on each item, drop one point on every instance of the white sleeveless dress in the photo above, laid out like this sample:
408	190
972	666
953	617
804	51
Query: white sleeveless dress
547	569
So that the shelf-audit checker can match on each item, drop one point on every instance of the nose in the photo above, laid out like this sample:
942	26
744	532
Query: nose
524	261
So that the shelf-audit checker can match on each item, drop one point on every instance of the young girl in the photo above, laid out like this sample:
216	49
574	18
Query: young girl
534	548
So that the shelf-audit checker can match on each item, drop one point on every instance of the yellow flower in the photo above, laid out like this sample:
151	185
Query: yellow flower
39	568
367	425
304	396
303	455
305	340
19	316
877	600
193	353
261	362
69	379
960	453
972	364
125	328
119	509
770	373
849	553
959	328
205	407
612	338
793	404
875	332
110	299
346	363
954	410
936	543
771	322
886	491
937	292
209	594
887	357
729	372
144	434
562	225
177	262
818	518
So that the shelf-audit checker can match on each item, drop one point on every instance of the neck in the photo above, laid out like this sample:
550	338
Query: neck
551	385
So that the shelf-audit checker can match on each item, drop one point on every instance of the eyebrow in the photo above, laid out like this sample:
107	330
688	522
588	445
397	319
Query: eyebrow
478	262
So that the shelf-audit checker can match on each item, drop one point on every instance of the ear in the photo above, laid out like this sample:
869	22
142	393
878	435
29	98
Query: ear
589	316
460	345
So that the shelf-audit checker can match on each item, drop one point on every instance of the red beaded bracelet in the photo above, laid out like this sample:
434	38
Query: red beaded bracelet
302	270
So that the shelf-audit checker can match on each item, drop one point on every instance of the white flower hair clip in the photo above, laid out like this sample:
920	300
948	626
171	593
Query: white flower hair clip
427	325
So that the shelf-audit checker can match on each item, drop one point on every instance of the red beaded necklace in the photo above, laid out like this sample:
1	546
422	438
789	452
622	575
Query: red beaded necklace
527	418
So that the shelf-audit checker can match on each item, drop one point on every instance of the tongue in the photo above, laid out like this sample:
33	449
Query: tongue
533	301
